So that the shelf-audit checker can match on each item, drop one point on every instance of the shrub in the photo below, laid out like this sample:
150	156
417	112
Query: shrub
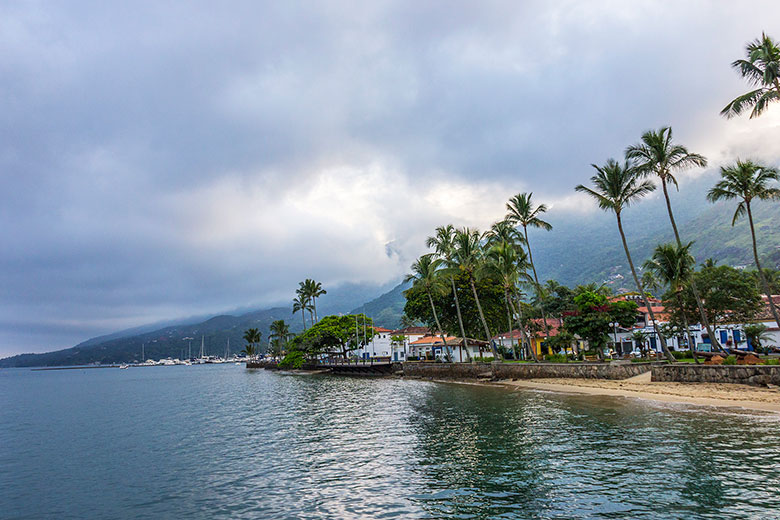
293	359
482	359
772	361
681	354
730	360
556	358
413	358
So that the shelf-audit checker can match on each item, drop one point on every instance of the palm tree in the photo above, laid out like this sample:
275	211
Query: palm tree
280	332
252	337
656	155
521	211
674	266
426	276
617	187
311	290
443	244
510	265
761	69
468	256
300	303
504	231
249	351
748	181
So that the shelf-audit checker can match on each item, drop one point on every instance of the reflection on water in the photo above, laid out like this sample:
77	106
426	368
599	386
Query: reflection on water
224	442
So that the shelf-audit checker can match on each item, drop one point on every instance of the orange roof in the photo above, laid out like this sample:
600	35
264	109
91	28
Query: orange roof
431	340
381	329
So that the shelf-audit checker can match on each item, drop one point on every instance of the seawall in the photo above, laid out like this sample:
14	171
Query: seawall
469	371
756	375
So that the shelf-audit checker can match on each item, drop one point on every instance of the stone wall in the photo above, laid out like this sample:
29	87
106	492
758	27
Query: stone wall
462	371
756	375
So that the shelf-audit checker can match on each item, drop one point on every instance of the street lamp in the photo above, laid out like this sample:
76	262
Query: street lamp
614	326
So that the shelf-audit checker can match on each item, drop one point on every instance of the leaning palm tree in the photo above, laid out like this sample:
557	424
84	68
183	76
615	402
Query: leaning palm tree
521	211
279	331
657	155
616	187
761	69
674	266
425	275
510	265
301	304
748	181
468	257
443	244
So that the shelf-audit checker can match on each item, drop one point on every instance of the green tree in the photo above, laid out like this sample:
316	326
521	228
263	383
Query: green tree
748	181
310	290
758	334
491	297
509	264
616	187
521	211
301	304
656	155
591	321
252	337
443	243
469	256
279	334
760	69
426	275
334	335
729	296
674	267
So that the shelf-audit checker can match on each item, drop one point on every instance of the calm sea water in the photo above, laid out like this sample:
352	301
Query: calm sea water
226	442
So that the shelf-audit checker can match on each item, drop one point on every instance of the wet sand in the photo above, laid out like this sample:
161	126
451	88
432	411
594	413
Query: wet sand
704	394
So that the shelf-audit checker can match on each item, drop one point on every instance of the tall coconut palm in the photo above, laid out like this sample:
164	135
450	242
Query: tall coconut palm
657	155
425	275
674	266
748	181
443	244
521	211
510	265
760	69
301	304
615	188
312	290
468	256
504	231
279	332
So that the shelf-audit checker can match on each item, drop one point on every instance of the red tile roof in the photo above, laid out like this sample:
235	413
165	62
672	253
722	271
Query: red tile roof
432	340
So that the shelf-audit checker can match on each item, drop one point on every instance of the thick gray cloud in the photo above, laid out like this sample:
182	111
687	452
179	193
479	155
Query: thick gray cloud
165	159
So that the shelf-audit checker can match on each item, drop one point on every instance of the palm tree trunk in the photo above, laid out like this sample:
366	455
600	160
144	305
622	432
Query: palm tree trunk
460	321
509	321
531	349
482	317
694	289
438	325
538	287
668	354
687	328
314	305
761	275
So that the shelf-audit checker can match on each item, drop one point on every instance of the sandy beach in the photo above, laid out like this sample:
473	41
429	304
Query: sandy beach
703	394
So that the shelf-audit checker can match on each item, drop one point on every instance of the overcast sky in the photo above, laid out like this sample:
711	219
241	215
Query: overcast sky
163	159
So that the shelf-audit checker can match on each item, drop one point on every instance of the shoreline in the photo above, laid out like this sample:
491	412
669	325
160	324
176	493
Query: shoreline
697	394
718	395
